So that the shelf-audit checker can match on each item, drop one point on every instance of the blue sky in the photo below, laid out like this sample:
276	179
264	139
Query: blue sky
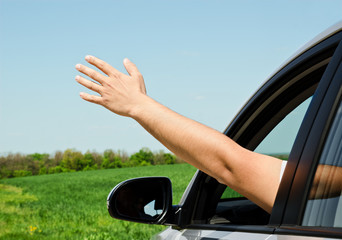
203	59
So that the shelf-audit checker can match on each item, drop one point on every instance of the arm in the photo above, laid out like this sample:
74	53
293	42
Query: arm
327	182
254	175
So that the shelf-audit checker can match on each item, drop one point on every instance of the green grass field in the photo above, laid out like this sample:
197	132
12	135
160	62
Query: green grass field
73	205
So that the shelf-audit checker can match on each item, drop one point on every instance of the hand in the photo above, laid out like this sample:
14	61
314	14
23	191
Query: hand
120	93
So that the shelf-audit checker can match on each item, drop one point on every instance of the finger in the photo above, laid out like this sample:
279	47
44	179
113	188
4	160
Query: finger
134	72
91	73
91	98
131	68
89	84
102	65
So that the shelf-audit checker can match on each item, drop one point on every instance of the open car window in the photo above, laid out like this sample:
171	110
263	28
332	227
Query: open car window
233	207
269	124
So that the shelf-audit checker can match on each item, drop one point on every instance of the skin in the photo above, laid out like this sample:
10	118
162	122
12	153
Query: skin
327	182
254	175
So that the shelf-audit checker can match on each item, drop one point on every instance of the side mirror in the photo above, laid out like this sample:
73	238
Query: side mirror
144	200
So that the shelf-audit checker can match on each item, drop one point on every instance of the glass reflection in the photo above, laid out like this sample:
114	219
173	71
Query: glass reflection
140	200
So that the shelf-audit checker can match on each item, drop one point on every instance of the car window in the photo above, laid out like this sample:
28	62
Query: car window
279	141
233	207
324	204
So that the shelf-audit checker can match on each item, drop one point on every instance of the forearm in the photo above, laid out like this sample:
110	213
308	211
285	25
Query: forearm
327	182
212	152
195	143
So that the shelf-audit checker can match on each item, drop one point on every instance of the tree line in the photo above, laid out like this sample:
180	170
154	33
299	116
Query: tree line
71	160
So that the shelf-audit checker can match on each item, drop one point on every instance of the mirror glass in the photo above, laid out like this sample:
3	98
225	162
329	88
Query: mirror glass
142	199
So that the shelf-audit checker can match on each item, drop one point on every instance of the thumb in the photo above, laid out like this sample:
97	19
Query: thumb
130	67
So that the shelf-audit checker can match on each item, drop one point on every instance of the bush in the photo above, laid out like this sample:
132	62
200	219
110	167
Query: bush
57	169
88	168
43	170
5	173
111	160
162	158
21	173
18	165
169	158
142	158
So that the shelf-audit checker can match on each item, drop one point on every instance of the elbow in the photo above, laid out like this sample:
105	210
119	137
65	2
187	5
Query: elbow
223	175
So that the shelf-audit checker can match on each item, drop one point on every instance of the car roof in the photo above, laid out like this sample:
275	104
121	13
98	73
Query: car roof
319	38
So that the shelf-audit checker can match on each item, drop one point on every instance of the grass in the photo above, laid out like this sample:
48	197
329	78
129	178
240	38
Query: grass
73	205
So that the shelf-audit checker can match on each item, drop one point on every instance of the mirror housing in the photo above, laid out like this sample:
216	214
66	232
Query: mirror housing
144	200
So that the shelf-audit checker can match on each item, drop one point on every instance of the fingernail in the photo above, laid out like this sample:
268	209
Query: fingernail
87	58
126	60
78	66
77	77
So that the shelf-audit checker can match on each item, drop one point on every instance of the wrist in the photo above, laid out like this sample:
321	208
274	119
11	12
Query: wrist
140	108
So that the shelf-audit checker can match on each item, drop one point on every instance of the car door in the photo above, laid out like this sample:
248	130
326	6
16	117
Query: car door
305	83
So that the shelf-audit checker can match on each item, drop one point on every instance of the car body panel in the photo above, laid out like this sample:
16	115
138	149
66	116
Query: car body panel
292	237
188	234
191	234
